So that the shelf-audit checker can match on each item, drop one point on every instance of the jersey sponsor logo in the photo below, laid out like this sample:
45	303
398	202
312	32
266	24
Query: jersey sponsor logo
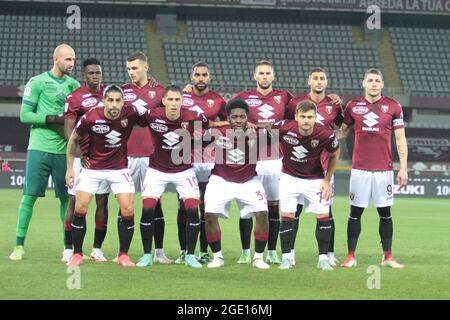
361	103
171	139
210	103
124	123
152	94
113	138
197	109
299	152
253	102
370	120
277	99
100	128
88	103
398	122
410	189
384	108
360	110
329	109
235	156
290	140
314	143
159	127
187	101
320	119
87	95
265	111
129	96
100	121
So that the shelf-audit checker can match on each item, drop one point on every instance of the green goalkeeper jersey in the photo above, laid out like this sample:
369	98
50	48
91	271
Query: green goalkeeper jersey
45	95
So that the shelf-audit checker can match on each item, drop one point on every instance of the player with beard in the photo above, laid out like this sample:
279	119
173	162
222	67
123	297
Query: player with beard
77	104
210	104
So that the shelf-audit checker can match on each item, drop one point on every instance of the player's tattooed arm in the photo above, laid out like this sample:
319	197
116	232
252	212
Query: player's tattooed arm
70	155
402	150
335	99
343	132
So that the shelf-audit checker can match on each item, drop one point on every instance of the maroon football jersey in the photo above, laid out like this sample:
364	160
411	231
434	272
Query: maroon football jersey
170	136
301	154
235	156
267	109
104	141
80	101
212	106
140	143
328	114
373	123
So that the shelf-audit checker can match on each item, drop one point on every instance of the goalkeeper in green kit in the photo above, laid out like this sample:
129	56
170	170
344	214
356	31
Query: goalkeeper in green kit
43	107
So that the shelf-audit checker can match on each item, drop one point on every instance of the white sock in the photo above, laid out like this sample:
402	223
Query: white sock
159	252
292	253
271	251
330	254
323	257
286	256
247	251
96	249
218	255
258	256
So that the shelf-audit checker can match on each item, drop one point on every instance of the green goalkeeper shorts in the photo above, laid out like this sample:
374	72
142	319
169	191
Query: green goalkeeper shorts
40	165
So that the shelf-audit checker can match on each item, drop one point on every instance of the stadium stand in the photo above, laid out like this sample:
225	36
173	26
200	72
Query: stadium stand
31	35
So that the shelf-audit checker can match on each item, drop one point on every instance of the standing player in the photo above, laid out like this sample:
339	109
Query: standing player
266	106
303	141
103	133
234	177
212	106
140	93
330	114
374	117
77	104
172	129
43	107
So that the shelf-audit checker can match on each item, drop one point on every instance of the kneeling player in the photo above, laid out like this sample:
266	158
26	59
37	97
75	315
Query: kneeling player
234	177
103	133
302	142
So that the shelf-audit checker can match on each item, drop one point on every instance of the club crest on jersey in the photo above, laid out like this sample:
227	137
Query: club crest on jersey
329	109
352	195
124	123
277	99
185	125
314	143
210	102
151	94
384	108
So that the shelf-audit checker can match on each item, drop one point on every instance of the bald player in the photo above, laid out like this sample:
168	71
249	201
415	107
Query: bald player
43	108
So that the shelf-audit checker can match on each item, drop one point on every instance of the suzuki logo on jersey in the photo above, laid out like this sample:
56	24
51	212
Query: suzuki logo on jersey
370	120
319	118
299	152
197	109
113	139
265	111
235	156
171	139
140	106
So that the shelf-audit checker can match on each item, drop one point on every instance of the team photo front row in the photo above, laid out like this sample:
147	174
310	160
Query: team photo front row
273	153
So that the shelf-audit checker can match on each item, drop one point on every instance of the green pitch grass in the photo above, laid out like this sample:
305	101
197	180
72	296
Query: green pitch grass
421	241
